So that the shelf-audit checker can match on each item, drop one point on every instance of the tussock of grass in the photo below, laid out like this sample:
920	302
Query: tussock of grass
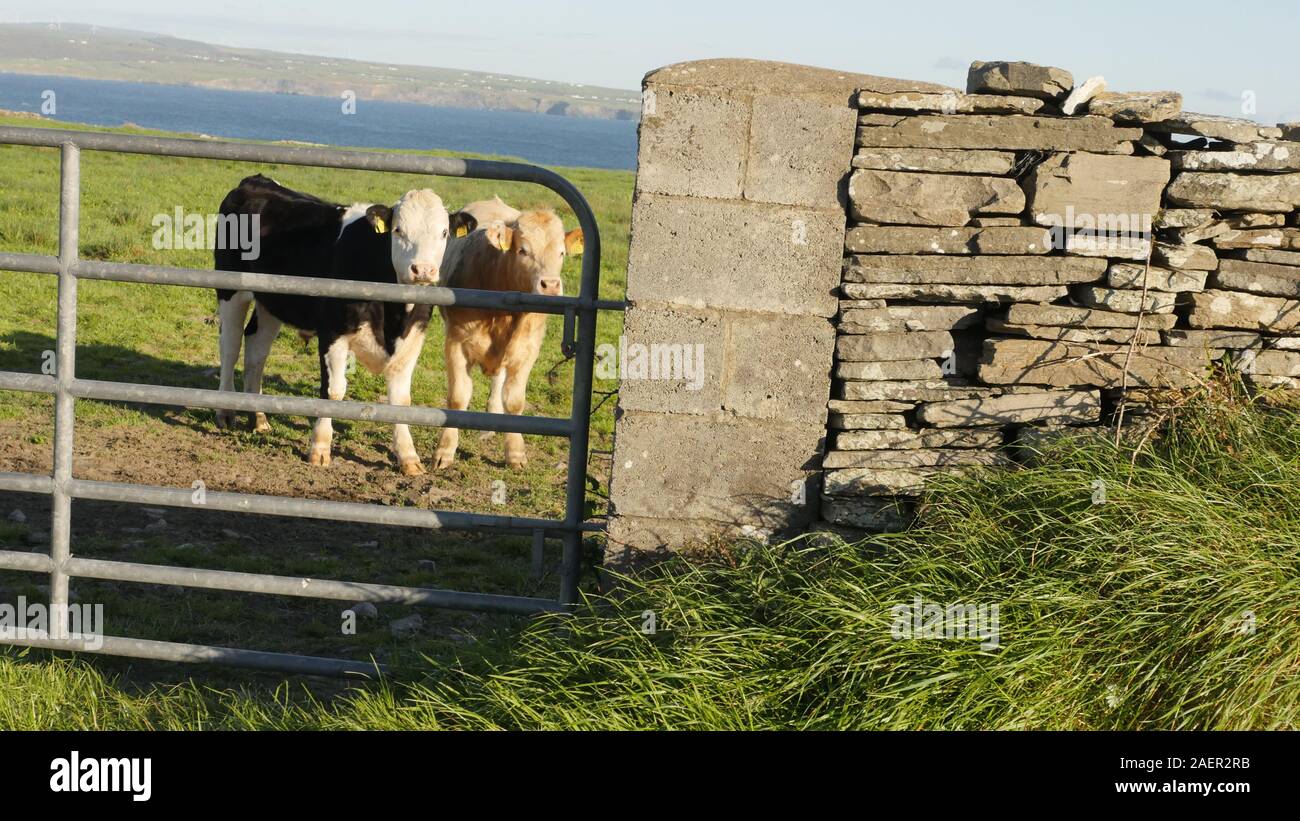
1126	614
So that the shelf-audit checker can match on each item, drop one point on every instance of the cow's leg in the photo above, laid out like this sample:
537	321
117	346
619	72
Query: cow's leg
516	385
230	317
399	393
256	349
460	388
496	404
333	385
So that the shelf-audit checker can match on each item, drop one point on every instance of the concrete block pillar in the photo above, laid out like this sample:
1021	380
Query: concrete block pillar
737	240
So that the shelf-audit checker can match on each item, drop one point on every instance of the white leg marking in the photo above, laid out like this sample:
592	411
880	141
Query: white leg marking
336	362
230	314
336	376
322	437
399	393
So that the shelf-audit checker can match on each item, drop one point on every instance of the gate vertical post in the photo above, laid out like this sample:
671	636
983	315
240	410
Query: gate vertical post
65	372
583	367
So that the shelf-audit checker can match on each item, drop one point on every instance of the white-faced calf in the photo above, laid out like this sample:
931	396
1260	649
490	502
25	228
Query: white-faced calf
306	236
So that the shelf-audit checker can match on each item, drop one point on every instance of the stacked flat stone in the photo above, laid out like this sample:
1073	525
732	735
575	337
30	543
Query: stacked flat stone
1235	194
987	300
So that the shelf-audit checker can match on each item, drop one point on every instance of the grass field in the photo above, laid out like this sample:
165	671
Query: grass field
168	335
1173	605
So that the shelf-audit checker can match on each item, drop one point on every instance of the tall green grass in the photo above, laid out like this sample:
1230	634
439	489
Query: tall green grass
1130	614
1125	614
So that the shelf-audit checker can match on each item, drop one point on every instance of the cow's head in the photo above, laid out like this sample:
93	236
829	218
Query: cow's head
418	227
537	245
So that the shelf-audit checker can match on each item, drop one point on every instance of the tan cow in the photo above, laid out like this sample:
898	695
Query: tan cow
522	254
486	212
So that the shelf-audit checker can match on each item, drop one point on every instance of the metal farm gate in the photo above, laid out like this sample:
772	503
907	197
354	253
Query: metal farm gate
579	340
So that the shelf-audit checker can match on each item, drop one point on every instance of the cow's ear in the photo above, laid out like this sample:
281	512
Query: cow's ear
573	243
462	224
500	235
380	218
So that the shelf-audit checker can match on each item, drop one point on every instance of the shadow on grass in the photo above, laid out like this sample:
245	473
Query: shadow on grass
26	352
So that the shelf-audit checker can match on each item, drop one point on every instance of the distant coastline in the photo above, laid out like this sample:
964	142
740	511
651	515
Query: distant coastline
470	102
95	53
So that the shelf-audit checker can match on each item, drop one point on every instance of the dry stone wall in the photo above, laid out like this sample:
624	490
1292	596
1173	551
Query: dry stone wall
885	280
1012	271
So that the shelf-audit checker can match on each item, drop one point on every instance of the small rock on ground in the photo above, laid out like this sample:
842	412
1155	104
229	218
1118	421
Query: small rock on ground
364	610
407	626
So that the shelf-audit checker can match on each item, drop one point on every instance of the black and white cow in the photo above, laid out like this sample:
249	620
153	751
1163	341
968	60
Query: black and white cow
305	236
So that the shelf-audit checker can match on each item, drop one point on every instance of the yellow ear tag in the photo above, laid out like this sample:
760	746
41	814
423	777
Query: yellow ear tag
503	241
380	226
461	230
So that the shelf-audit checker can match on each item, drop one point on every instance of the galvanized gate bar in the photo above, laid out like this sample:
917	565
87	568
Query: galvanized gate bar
288	405
303	406
307	508
297	155
580	327
26	483
321	286
35	263
205	654
29	382
303	286
304	587
30	562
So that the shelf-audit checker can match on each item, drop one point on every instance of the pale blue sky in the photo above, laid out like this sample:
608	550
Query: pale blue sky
1210	50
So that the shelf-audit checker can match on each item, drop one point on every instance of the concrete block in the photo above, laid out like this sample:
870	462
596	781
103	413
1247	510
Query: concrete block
721	468
799	150
661	342
778	367
634	539
693	143
735	255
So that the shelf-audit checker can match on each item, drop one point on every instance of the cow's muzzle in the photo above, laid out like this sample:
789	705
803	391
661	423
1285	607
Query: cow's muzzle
424	274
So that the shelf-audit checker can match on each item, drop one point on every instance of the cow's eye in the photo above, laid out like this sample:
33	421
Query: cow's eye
397	230
444	233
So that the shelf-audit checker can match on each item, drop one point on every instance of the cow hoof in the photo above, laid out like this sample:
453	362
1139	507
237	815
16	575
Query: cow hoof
225	419
487	434
260	425
516	461
443	459
412	468
320	458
